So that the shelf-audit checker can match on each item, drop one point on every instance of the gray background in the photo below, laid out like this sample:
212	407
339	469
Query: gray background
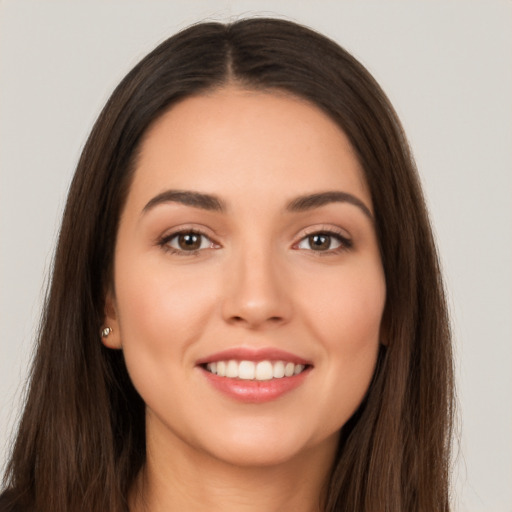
447	69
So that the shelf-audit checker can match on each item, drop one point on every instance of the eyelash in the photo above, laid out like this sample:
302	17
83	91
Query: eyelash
345	243
165	240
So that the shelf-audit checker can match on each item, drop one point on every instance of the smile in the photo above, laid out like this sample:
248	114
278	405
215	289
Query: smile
251	370
255	376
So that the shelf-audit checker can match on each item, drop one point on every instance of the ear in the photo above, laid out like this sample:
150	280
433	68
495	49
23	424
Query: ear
111	339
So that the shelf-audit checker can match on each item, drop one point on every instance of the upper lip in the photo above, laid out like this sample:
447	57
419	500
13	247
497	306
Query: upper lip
253	354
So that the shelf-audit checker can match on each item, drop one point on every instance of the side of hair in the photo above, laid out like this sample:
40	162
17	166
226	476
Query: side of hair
81	438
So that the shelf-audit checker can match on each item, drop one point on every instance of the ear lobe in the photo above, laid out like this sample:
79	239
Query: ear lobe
110	335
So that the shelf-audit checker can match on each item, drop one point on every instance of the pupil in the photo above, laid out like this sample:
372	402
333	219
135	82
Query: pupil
189	241
321	242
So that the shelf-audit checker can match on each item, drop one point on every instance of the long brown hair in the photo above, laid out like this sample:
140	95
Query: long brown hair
81	440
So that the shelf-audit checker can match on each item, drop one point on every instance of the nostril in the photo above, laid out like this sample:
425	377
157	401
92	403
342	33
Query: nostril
272	319
254	322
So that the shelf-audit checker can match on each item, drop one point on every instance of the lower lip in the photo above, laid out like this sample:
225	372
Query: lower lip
255	391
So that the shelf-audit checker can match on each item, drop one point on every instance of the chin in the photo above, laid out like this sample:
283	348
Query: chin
257	457
269	447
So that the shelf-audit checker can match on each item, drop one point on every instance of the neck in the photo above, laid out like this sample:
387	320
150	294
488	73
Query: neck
192	481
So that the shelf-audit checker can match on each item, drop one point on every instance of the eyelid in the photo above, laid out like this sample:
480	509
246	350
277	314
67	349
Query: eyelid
329	230
340	234
323	228
164	239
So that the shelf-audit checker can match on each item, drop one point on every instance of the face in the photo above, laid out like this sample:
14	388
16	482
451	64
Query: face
248	285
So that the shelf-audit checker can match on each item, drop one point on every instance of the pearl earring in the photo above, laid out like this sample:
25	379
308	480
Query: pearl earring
106	331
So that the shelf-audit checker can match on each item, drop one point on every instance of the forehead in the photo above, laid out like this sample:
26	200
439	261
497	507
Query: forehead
234	140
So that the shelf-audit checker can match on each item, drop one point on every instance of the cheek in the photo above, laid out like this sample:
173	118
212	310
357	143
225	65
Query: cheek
155	303
346	308
161	314
345	317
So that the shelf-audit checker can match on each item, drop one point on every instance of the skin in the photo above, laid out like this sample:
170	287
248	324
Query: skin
257	281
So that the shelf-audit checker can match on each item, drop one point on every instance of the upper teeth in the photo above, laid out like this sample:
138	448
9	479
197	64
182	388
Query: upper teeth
249	370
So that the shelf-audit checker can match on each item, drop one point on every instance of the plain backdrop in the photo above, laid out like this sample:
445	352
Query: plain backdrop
446	67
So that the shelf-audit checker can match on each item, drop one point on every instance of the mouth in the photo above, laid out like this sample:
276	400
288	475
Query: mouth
255	370
254	376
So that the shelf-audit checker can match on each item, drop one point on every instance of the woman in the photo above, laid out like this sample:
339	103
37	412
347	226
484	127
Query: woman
246	310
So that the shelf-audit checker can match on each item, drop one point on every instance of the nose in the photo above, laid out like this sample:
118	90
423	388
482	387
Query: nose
257	295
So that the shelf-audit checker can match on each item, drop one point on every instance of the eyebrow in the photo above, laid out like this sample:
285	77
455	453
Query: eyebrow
188	198
213	203
311	201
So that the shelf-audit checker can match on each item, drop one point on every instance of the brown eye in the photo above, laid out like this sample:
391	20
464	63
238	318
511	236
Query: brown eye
319	242
189	241
324	241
